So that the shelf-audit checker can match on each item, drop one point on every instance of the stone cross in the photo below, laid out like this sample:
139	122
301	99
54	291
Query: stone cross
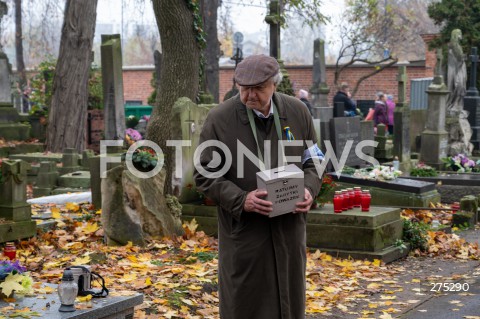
319	89
439	64
472	90
274	20
114	108
402	84
401	127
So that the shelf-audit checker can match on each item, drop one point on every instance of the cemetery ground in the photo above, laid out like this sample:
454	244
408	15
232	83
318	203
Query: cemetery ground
178	276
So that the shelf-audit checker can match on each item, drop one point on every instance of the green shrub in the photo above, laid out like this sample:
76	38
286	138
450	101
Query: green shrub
415	233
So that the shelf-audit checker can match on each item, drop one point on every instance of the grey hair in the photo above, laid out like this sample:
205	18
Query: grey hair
277	78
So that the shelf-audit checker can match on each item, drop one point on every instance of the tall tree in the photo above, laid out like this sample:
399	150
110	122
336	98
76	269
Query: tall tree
212	52
67	114
179	75
22	78
456	14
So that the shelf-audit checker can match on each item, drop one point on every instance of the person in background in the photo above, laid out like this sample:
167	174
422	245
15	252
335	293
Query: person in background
344	97
390	109
303	96
380	113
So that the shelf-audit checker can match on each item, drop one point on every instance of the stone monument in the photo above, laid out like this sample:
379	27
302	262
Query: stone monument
319	89
112	78
435	137
401	118
15	214
457	126
10	129
472	101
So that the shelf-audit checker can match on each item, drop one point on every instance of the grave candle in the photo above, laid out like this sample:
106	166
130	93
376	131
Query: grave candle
346	198
10	251
351	201
366	198
338	202
358	196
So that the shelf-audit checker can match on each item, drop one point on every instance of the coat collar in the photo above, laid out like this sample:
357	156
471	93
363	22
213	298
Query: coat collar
242	109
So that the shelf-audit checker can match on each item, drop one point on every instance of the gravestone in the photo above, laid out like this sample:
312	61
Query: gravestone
111	307
46	179
10	129
342	130
324	115
401	119
15	213
275	25
191	118
319	89
70	161
112	79
403	192
435	138
384	149
472	101
367	134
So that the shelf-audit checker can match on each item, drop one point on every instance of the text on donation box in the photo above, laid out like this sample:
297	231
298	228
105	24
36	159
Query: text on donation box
285	188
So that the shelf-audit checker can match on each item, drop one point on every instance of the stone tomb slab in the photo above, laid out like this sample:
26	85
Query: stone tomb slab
401	192
354	230
342	130
111	307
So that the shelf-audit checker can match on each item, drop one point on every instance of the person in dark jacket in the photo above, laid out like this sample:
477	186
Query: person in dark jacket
380	114
303	96
343	97
261	260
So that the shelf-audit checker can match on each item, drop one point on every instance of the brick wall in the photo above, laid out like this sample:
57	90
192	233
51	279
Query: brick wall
137	83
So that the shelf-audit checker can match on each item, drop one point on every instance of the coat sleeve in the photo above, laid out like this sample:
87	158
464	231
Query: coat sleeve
222	191
313	181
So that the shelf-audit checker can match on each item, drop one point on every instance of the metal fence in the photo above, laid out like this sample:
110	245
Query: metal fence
418	94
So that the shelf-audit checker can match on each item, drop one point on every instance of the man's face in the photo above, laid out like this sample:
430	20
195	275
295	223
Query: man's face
258	97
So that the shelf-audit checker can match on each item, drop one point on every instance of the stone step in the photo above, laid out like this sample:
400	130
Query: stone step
387	255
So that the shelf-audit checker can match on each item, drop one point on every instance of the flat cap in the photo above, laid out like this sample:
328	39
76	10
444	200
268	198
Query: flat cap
255	70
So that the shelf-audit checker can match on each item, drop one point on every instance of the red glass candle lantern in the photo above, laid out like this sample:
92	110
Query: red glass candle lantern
366	198
338	202
358	197
10	251
455	206
346	198
351	202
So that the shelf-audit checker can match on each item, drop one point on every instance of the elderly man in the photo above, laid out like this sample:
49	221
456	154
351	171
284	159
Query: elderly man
262	260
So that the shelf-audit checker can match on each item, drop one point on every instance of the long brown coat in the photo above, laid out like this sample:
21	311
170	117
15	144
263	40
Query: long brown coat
262	260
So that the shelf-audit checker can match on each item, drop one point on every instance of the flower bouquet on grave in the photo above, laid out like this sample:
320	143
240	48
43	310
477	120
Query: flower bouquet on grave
461	164
325	190
423	170
144	158
377	173
14	278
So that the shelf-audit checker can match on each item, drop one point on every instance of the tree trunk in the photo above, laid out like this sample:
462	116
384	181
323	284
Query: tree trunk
22	78
179	73
68	111
212	50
